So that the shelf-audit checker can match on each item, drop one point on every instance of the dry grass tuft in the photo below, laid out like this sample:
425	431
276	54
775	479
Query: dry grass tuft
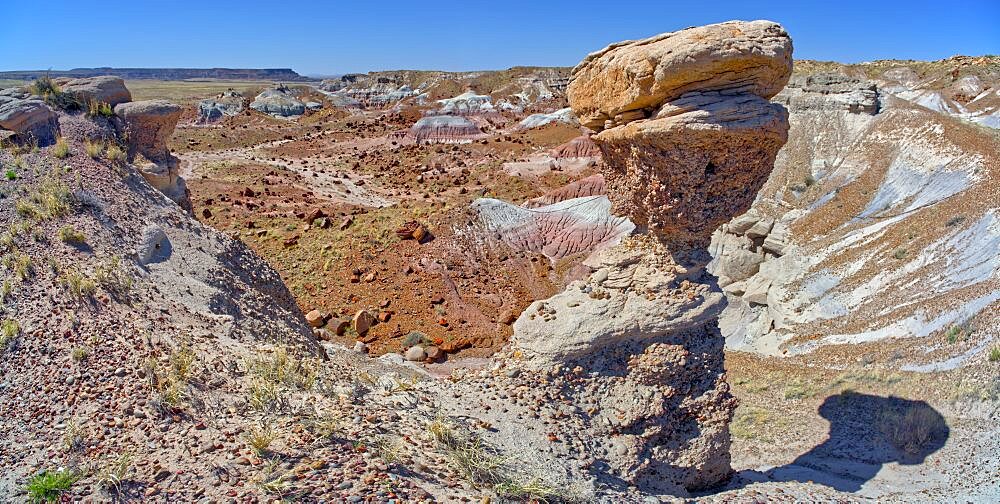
94	149
259	437
61	149
9	329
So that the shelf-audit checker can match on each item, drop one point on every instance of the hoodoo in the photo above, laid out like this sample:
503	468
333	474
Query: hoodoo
689	137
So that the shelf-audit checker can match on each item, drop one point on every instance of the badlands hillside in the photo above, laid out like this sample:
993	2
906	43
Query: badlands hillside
688	269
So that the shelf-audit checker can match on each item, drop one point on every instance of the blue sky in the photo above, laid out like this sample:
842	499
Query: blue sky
337	37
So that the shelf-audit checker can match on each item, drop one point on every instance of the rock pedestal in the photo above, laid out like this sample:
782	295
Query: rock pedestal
684	123
146	126
688	136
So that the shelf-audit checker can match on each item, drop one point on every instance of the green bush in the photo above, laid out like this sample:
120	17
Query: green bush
47	485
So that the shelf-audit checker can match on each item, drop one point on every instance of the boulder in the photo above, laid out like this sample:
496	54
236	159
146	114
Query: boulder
29	119
752	58
104	89
777	239
756	289
736	258
154	246
362	321
760	228
434	353
742	223
415	353
316	318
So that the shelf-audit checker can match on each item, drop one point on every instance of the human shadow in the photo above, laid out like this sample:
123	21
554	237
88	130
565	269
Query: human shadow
866	432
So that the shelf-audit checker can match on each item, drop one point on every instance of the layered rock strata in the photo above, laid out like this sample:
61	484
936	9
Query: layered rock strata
689	136
445	129
278	102
830	91
566	227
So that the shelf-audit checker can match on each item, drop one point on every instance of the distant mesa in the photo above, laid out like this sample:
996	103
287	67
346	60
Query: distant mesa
275	74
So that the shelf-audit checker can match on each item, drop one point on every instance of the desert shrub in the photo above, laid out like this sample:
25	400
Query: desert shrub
112	276
415	338
484	466
78	354
48	486
956	220
55	97
19	264
114	474
953	333
61	149
912	430
69	234
995	354
958	332
799	389
750	423
78	284
170	382
900	253
10	174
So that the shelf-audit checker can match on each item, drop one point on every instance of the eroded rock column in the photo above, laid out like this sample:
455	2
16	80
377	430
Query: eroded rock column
146	126
689	136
